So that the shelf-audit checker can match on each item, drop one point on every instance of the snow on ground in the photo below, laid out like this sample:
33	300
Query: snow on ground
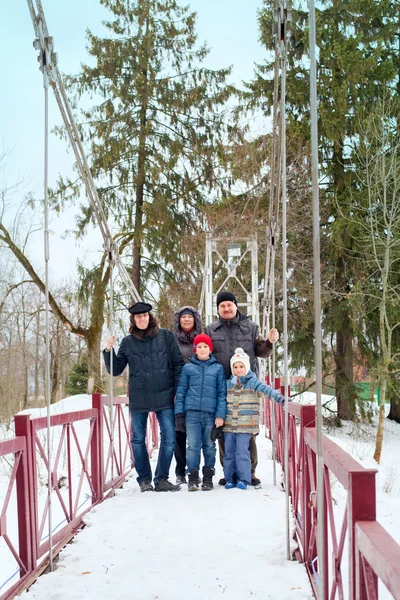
204	545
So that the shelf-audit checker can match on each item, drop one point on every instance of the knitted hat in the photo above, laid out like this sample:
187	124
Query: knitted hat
186	311
226	297
202	338
241	356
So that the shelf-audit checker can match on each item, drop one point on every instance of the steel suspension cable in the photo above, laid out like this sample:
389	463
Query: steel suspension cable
111	378
44	43
283	23
44	58
322	575
51	74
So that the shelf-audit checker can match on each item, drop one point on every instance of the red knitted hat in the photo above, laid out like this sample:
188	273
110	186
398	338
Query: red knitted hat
203	338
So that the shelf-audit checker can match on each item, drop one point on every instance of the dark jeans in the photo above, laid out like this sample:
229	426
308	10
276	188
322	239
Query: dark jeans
166	421
180	453
198	430
237	457
253	453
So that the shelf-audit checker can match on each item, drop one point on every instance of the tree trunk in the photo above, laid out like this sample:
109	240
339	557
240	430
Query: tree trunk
93	343
379	432
344	371
394	413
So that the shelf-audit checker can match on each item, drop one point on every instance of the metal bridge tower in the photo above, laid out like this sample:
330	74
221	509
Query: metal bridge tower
231	254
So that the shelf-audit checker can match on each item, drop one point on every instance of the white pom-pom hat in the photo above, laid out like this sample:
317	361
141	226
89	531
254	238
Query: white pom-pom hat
241	356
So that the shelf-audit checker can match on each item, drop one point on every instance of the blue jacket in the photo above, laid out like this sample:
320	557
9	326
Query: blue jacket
251	382
202	386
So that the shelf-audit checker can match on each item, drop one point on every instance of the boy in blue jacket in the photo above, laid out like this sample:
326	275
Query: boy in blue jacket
242	418
200	404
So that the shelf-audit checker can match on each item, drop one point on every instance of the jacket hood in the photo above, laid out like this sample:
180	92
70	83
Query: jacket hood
187	338
209	361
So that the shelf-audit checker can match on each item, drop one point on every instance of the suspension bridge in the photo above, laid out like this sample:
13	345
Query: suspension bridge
93	444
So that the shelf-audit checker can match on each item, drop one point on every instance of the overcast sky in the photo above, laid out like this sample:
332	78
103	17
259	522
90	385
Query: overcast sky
228	26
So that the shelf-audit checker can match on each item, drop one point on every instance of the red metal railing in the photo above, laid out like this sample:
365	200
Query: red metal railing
361	551
19	542
90	457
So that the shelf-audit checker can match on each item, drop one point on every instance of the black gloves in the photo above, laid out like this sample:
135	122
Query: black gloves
216	433
180	423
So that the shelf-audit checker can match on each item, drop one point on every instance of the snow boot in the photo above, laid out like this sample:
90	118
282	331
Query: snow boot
145	486
166	486
208	474
181	480
241	485
230	485
193	484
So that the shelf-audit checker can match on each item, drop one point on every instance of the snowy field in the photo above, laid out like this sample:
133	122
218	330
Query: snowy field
228	544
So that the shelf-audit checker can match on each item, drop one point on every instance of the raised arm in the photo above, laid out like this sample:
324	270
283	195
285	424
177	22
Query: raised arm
120	360
262	388
263	347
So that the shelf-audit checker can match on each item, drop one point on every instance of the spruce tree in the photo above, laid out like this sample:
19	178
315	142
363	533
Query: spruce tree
156	131
356	60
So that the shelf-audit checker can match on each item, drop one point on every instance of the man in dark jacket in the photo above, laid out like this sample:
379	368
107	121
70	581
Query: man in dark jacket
187	324
155	364
233	329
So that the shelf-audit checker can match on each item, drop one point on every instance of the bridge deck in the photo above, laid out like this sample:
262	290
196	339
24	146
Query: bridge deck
227	544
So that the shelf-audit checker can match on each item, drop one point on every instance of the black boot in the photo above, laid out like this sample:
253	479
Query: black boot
193	484
208	474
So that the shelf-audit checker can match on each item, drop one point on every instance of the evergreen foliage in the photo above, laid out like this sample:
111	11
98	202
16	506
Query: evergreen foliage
357	61
77	382
156	131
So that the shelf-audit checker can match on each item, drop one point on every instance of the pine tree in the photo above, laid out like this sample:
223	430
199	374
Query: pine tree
156	135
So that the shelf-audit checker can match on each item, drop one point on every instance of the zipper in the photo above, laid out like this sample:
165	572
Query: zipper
202	385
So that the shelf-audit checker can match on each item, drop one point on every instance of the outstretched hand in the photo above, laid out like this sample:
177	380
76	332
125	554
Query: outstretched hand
110	342
273	335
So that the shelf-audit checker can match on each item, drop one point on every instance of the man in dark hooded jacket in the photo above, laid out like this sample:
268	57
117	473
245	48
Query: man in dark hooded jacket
233	329
187	324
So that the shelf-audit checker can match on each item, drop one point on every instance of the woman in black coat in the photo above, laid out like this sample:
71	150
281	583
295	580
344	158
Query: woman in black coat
155	365
187	324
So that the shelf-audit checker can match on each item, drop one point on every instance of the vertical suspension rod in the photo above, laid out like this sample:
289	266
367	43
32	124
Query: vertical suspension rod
44	58
111	378
283	31
322	575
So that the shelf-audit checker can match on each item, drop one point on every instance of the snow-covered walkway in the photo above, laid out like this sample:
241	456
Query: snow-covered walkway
227	544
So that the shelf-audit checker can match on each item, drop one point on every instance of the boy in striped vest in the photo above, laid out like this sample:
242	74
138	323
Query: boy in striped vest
242	418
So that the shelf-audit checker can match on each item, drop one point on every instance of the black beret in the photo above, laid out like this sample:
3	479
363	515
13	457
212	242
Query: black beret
139	308
226	297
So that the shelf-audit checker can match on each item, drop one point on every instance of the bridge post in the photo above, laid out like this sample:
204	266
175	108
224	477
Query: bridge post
26	495
307	419
96	450
361	507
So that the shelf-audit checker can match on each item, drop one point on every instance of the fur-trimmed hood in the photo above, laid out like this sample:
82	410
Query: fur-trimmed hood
181	336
